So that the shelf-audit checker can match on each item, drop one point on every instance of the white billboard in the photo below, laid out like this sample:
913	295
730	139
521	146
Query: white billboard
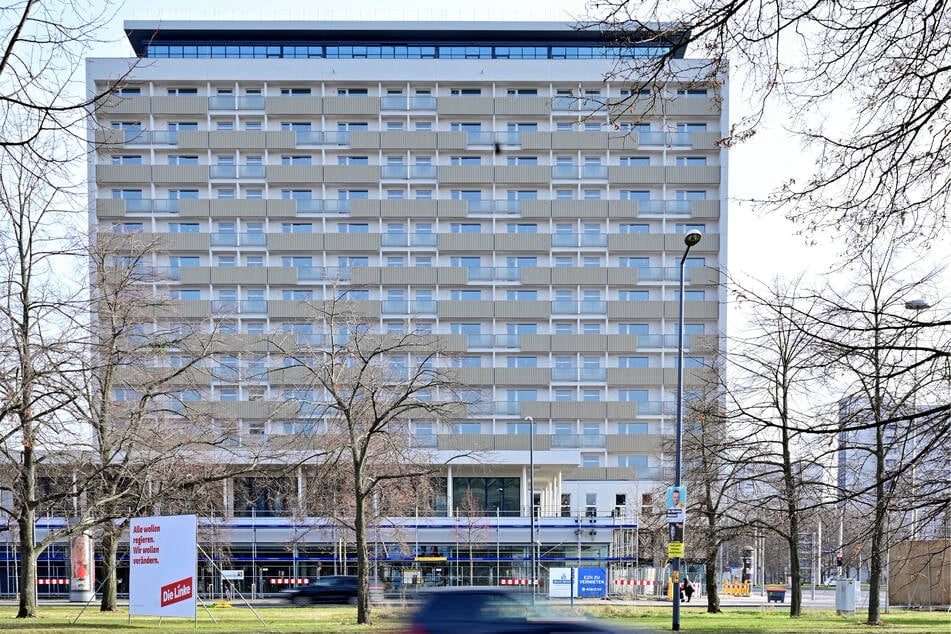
163	561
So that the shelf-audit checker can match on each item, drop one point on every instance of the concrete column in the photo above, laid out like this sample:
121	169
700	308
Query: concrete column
449	503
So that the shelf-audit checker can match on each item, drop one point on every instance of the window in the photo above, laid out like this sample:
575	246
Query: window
633	227
521	329
352	92
352	194
423	126
183	227
127	194
295	160
521	160
127	227
353	160
564	328
522	362
394	126
395	260
691	194
253	126
466	261
255	193
521	261
692	92
353	126
590	460
181	159
633	295
182	91
521	194
632	428
465	294
591	328
465	92
183	194
687	227
691	127
254	260
635	194
522	92
224	193
521	227
226	260
224	125
693	362
295	92
633	329
635	160
297	294
591	395
467	362
694	296
638	262
691	160
128	90
591	504
182	126
632	396
467	428
632	461
465	227
564	395
297	227
185	293
564	261
521	295
632	362
695	262
129	159
353	227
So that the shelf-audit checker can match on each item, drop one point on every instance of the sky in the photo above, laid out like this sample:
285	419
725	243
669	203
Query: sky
759	244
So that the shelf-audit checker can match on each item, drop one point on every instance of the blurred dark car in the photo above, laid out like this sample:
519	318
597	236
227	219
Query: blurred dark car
332	589
490	611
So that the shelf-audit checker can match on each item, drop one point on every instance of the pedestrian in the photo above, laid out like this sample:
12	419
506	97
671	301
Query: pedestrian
688	588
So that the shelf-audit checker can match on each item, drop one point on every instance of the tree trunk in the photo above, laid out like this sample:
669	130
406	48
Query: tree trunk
110	549
27	605
363	570
713	594
795	572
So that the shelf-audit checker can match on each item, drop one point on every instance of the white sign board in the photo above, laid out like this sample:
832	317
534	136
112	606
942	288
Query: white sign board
233	575
559	582
163	560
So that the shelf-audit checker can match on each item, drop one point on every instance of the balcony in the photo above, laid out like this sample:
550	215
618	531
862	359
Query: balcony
223	171
308	206
236	307
151	205
340	138
492	341
573	240
224	239
655	408
658	342
583	307
252	171
493	274
231	102
490	139
491	206
408	239
578	374
404	172
407	307
323	273
661	274
579	172
663	207
404	102
664	139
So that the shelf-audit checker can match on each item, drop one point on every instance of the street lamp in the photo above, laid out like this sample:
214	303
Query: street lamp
531	496
690	240
916	305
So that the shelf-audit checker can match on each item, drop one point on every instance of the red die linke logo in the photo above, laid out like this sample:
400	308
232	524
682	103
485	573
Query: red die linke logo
177	591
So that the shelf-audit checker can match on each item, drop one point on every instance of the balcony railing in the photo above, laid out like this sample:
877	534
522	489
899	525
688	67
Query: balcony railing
493	341
575	307
675	139
578	374
671	207
317	137
576	172
493	274
407	307
579	240
404	102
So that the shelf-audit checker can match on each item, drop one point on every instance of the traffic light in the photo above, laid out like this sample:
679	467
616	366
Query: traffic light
838	560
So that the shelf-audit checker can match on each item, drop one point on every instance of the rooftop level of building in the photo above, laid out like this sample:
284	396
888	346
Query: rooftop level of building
400	40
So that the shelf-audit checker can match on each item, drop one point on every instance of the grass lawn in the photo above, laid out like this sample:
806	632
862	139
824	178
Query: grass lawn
54	619
773	619
343	619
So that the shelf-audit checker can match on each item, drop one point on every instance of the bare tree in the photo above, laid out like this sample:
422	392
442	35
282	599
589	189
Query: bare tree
471	527
364	389
772	403
886	64
895	415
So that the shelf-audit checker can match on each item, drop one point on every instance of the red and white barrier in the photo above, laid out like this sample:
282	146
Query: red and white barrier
633	582
517	582
283	581
52	582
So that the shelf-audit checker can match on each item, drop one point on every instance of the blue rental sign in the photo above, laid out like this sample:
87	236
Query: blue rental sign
592	582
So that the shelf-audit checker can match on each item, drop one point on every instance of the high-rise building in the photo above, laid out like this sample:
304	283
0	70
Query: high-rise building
483	182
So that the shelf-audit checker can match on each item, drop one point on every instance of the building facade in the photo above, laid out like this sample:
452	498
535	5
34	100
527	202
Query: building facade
482	182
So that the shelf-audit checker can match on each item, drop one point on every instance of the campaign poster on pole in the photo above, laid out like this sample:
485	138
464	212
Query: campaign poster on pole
163	560
559	582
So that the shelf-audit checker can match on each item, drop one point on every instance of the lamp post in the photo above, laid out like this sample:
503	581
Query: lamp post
690	240
531	497
916	305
